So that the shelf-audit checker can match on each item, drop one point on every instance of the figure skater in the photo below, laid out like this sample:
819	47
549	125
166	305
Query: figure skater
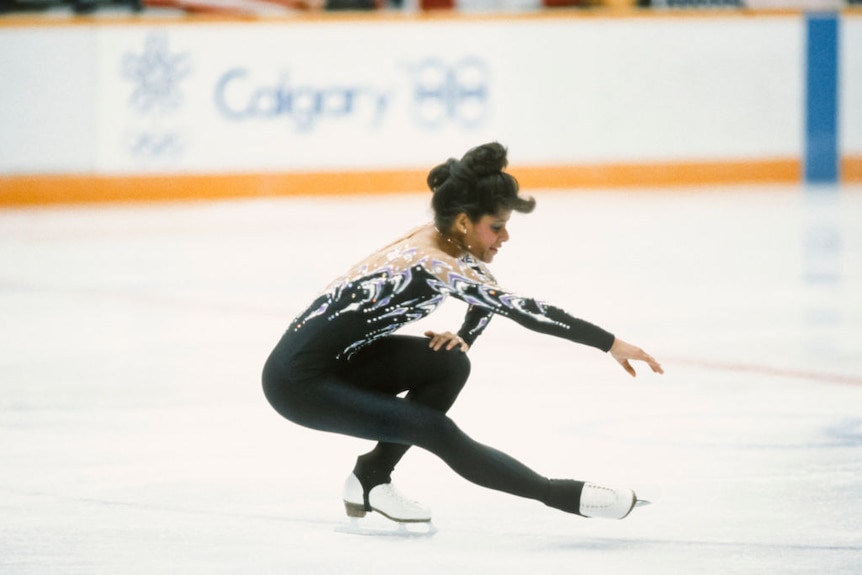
340	367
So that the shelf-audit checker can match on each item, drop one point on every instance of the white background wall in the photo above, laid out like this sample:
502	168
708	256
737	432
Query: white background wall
124	98
851	86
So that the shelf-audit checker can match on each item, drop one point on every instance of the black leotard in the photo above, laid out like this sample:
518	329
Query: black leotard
340	368
405	283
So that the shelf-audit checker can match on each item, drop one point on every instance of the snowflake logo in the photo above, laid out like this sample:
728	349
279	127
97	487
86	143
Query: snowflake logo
156	74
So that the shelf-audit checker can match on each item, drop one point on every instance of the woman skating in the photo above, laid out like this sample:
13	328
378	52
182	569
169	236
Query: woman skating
340	366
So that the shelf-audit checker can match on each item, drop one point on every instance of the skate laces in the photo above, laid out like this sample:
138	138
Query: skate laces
601	496
606	501
394	494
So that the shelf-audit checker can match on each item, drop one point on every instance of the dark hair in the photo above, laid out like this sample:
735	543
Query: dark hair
475	185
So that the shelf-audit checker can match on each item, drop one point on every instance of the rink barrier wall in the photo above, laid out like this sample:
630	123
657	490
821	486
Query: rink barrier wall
69	189
103	181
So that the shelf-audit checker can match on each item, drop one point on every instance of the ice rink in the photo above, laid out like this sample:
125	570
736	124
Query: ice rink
134	437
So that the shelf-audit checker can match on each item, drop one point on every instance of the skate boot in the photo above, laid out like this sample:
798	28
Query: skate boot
383	499
606	502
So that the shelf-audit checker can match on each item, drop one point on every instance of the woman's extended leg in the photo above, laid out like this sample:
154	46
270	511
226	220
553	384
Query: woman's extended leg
337	404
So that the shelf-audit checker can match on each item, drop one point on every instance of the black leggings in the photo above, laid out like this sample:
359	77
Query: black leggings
360	398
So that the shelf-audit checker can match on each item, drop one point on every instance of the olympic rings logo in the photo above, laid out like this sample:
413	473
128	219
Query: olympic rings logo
152	145
444	93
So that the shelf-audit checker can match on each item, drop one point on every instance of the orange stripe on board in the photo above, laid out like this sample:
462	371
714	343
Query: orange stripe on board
851	169
659	174
75	189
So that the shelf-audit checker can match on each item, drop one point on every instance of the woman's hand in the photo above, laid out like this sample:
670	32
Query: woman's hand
623	352
446	340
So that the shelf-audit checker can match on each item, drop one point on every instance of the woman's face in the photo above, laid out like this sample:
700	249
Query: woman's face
485	237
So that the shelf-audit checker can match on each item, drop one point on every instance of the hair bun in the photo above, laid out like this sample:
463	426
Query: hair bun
440	174
481	161
475	185
485	160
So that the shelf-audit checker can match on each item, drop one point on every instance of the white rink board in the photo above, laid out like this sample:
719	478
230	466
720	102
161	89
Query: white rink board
47	110
389	94
850	82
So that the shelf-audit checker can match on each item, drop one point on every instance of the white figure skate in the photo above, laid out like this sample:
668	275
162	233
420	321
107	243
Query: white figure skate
412	518
608	502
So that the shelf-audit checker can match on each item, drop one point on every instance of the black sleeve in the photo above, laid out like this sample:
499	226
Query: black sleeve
475	321
530	313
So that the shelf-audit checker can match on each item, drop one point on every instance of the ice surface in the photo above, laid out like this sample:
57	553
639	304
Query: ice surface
134	437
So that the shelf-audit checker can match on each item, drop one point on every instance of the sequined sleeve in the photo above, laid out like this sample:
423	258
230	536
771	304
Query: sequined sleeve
475	322
405	282
485	297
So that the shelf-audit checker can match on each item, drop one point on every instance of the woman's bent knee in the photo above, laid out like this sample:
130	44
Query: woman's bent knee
279	392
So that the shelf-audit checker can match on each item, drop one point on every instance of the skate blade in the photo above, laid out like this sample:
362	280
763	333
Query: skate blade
386	528
649	494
